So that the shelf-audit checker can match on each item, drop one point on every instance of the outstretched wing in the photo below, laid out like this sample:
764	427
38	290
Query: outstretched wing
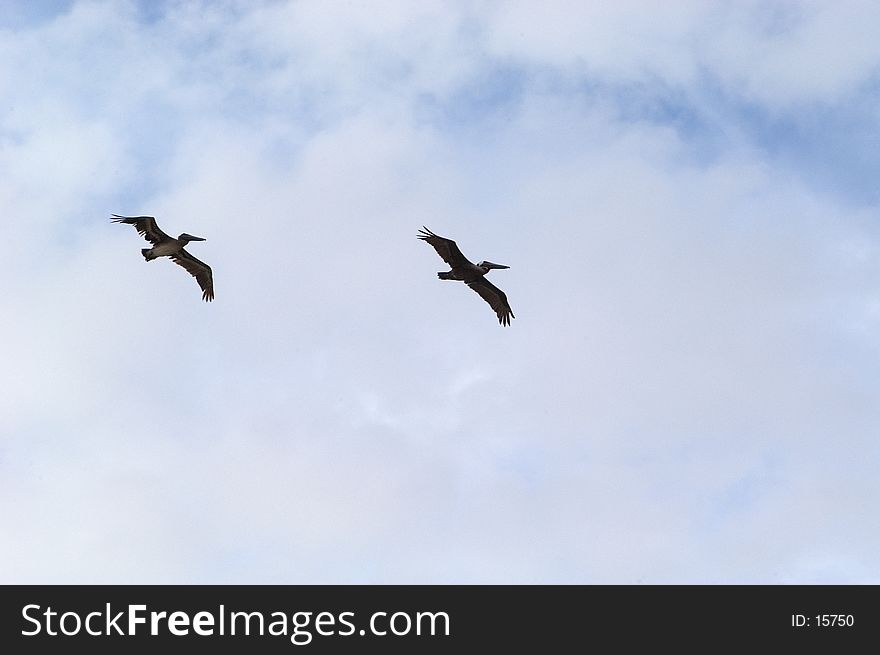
446	248
495	297
145	225
199	270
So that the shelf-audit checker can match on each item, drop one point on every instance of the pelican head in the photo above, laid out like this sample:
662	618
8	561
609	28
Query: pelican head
488	266
186	238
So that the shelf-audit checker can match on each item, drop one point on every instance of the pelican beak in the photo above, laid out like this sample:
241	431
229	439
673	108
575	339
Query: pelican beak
496	266
190	237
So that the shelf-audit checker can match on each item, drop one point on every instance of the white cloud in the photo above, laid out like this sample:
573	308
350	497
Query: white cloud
774	53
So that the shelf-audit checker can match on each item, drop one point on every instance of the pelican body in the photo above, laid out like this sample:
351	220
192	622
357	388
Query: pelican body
474	275
166	246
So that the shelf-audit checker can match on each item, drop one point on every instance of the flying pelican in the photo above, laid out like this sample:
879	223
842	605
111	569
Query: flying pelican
166	246
471	274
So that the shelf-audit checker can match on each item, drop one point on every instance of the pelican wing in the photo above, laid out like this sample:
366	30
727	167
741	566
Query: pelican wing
199	270
495	297
145	225
446	248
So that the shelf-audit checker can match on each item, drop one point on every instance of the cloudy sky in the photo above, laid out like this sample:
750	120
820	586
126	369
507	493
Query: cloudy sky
686	194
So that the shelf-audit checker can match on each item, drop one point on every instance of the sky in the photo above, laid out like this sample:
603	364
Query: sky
686	196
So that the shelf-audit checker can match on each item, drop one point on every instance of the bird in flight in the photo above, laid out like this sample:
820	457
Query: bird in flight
166	246
474	275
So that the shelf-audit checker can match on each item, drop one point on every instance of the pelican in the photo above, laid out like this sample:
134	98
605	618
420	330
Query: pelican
474	275
166	246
